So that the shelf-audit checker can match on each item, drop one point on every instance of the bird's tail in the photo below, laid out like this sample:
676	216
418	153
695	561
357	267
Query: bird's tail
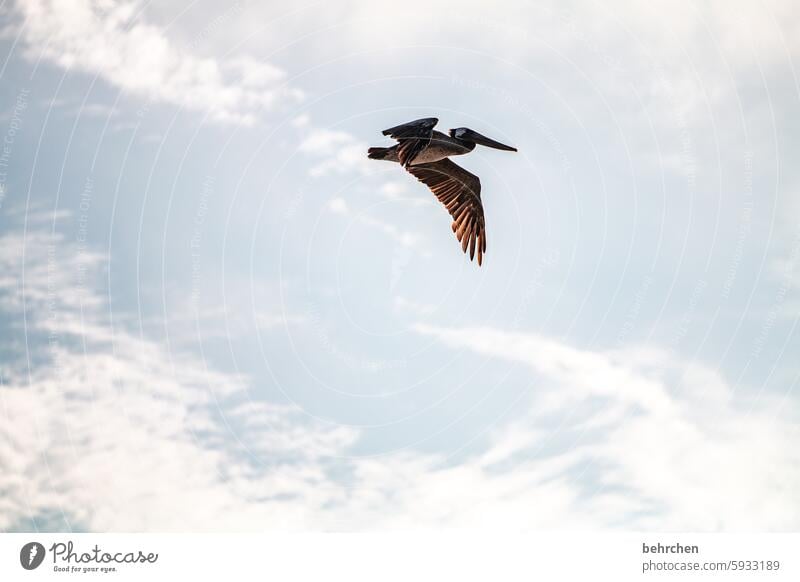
377	153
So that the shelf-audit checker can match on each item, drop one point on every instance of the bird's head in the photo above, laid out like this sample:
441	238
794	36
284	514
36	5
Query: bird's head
466	134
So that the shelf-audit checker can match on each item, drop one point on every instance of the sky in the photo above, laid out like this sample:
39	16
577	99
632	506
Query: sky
216	314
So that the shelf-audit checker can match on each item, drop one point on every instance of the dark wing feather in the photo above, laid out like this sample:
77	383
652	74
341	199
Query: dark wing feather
460	192
413	137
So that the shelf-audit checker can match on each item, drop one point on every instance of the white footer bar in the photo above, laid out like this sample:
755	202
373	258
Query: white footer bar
401	556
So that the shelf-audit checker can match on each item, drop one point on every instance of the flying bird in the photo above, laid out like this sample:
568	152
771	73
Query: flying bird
424	153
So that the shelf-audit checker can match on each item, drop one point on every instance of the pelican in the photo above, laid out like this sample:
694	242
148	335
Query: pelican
424	153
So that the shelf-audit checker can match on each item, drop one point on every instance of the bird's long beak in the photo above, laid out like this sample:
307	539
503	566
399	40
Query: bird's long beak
483	140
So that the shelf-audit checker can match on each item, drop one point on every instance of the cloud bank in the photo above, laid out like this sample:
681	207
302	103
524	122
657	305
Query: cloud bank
104	430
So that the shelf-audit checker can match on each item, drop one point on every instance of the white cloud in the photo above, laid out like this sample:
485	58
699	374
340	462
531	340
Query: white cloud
339	151
665	28
111	40
338	206
114	432
301	120
403	238
672	447
342	153
667	445
392	189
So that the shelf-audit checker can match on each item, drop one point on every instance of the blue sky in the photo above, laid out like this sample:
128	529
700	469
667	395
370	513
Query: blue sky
219	315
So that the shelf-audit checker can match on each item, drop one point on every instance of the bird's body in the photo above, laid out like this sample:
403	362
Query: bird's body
442	146
424	153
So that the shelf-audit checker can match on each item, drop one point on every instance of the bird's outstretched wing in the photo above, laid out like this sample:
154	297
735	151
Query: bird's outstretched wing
413	137
460	192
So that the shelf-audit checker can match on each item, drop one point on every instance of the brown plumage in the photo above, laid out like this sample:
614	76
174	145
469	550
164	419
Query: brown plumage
413	138
460	192
424	153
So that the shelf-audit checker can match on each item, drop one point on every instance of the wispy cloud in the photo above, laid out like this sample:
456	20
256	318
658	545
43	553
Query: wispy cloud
338	206
339	152
402	238
104	430
665	445
665	442
112	39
